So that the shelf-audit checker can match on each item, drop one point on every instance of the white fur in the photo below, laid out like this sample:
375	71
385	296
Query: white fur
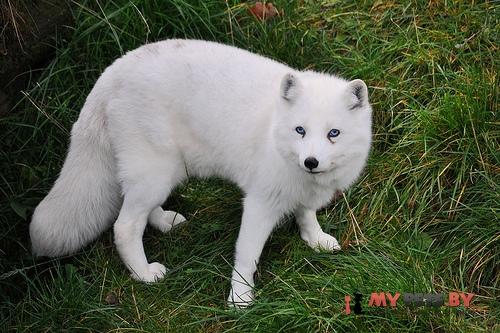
180	108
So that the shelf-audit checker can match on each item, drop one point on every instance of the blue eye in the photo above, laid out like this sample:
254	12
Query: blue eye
300	130
333	133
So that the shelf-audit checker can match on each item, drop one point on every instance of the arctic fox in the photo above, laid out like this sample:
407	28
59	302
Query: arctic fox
177	108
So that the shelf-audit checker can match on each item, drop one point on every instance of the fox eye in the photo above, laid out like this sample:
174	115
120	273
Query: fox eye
300	130
333	133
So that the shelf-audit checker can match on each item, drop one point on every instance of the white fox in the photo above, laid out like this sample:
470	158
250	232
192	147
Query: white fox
290	139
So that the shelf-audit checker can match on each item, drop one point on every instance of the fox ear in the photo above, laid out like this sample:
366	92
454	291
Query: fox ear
357	94
290	87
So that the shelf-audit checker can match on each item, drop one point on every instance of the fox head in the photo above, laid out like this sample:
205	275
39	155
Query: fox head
323	126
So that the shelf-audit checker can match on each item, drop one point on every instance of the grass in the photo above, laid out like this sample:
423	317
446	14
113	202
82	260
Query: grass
424	216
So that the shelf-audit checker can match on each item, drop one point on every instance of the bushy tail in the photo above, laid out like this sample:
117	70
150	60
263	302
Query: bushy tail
86	197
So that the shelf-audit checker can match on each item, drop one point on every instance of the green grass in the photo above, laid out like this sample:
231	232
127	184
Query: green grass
424	216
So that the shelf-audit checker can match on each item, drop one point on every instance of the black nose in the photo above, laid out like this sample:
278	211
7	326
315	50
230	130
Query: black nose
311	163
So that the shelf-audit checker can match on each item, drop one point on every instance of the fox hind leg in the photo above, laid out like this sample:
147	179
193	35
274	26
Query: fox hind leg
165	220
145	187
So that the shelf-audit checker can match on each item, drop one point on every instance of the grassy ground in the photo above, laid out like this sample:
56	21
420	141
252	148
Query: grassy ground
424	217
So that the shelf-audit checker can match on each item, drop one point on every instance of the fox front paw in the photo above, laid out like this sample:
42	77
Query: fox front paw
240	297
153	273
323	242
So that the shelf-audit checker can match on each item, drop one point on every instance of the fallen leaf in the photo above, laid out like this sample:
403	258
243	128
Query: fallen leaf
111	299
263	11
